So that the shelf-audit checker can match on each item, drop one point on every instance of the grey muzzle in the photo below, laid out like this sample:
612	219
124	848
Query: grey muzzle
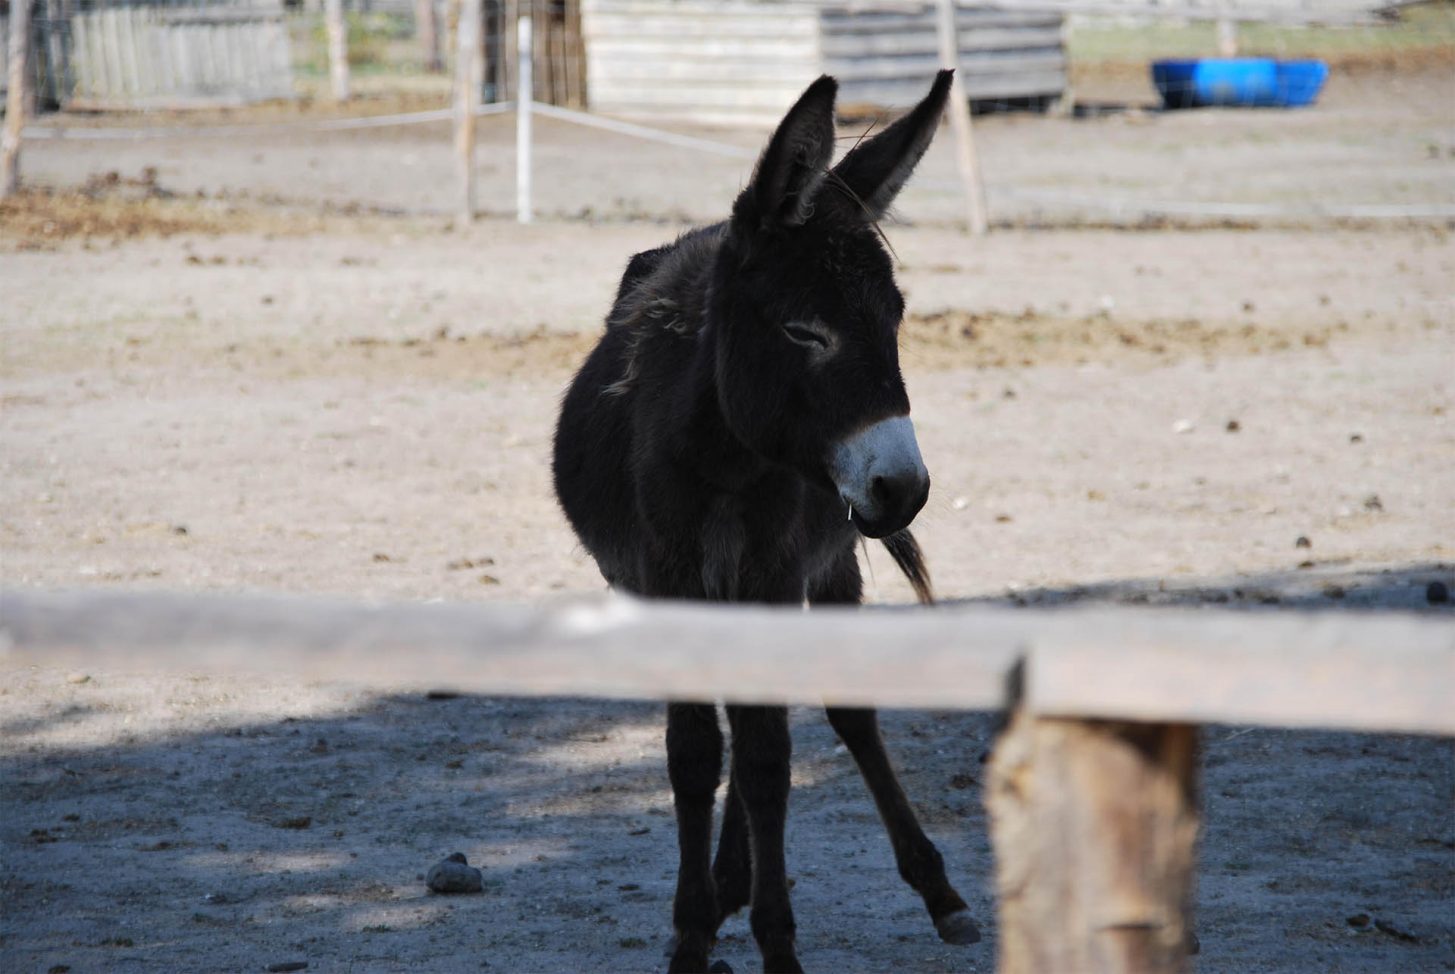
880	475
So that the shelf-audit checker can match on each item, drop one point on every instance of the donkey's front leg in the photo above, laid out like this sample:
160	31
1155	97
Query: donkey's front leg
694	765
920	863
761	752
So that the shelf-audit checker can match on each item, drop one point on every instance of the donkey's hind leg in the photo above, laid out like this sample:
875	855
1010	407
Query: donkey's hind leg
694	765
732	869
920	863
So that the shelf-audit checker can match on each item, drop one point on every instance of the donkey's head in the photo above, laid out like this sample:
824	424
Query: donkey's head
807	313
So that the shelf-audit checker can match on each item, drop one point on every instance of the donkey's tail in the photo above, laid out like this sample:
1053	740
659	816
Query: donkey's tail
911	560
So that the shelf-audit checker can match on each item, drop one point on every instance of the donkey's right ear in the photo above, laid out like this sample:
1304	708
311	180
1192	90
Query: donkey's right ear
794	164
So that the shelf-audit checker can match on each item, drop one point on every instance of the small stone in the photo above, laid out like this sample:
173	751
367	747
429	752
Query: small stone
1302	541
299	822
454	875
1437	593
960	503
78	678
1385	927
1373	503
1356	438
1334	591
1184	426
282	967
1233	426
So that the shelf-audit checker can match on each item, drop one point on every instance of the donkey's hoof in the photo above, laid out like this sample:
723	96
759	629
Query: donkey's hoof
957	928
720	967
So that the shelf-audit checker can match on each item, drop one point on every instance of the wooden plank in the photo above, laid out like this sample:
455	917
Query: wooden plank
1294	670
668	25
1299	669
906	91
724	48
919	69
748	74
923	42
765	102
607	647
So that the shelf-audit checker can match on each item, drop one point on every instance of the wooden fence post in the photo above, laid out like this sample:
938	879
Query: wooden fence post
966	160
1227	37
427	28
469	79
19	42
1094	824
338	48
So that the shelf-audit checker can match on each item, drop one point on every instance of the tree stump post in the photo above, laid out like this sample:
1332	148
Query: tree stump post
1094	824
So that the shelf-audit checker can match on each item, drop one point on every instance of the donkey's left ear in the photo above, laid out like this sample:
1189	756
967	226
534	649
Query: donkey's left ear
877	169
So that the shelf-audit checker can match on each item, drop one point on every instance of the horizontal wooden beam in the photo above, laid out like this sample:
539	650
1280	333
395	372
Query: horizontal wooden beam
1298	669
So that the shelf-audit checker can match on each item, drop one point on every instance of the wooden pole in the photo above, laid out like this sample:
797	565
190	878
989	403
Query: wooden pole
966	160
469	79
1094	825
19	41
427	28
1227	37
338	48
523	98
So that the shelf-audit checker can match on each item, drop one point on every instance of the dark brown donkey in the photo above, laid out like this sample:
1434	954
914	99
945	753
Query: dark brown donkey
740	425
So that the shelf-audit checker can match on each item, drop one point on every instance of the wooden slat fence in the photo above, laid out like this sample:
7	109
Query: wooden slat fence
110	55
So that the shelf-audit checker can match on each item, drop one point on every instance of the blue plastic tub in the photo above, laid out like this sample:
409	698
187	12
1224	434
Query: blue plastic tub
1243	82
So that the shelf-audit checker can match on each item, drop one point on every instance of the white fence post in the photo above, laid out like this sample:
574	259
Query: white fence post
524	93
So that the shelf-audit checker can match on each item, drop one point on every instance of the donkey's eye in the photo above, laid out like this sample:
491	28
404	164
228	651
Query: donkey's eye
809	337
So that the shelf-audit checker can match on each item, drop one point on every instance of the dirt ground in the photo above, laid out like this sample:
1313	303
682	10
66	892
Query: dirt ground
274	386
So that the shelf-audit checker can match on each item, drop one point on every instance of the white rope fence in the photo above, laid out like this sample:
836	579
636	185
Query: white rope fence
969	184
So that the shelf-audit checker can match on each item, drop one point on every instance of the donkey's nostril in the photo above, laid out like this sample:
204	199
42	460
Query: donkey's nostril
880	492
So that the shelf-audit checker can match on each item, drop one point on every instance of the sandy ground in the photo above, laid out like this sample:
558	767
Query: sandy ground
357	405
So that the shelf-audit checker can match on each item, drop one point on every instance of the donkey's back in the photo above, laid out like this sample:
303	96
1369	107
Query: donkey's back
596	438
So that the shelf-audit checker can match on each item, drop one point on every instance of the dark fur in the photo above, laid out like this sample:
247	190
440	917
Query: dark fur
690	459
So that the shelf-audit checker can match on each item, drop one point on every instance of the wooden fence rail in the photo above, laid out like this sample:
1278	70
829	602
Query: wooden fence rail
1092	790
1377	672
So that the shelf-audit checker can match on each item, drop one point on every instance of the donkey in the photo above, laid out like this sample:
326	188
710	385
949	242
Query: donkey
740	424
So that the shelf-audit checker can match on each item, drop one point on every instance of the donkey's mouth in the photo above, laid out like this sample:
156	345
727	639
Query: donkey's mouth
880	476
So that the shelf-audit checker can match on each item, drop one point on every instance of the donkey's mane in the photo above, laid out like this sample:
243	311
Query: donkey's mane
663	292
